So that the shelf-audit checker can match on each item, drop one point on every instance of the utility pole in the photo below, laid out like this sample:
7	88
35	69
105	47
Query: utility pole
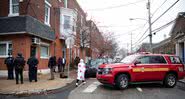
150	25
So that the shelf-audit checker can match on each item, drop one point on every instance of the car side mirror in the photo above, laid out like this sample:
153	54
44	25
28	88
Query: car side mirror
137	62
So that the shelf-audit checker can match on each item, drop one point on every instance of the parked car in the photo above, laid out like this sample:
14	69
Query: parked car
142	68
92	66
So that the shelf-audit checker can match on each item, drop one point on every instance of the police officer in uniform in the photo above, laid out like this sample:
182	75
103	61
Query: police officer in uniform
9	63
32	62
19	63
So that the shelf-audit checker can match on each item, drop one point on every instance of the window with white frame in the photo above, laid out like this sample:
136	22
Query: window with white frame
67	22
47	12
5	48
13	7
44	51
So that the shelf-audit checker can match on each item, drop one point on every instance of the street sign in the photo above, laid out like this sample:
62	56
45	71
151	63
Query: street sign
69	42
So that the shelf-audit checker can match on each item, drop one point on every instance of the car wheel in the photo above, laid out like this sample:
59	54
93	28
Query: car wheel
170	80
122	81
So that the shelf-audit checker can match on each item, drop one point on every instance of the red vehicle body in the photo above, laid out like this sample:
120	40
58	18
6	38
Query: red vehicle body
142	68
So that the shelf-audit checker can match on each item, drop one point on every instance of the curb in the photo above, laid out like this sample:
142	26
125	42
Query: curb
181	84
42	91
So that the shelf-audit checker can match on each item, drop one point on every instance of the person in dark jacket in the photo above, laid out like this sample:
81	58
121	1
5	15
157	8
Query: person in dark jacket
61	66
9	63
51	64
32	62
19	64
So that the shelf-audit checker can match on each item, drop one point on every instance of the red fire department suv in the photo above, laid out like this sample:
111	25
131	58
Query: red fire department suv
142	68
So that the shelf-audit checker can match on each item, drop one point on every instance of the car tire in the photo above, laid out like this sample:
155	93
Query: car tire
122	81
170	80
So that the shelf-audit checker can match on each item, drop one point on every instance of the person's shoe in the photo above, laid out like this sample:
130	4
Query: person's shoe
84	83
35	80
21	82
76	84
17	83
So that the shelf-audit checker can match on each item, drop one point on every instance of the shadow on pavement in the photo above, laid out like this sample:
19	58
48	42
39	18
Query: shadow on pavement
131	86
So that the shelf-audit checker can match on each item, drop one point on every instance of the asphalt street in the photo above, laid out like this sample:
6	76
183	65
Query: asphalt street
94	90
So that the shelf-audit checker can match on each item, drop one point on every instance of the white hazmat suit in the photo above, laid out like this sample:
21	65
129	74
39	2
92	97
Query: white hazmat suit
81	71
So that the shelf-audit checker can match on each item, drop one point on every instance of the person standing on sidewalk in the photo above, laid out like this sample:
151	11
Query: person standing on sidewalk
19	63
61	66
51	64
9	63
81	72
32	62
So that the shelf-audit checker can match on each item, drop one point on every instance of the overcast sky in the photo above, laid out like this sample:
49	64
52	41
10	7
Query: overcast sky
113	16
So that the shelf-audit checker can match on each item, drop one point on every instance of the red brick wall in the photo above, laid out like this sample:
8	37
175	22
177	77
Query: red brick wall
20	43
36	9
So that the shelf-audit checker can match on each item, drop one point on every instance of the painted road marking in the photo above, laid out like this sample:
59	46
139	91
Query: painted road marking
91	87
139	89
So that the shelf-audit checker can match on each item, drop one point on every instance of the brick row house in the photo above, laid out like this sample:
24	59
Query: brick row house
40	28
178	35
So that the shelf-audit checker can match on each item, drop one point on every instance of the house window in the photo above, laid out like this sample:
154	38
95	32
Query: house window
47	12
66	22
5	48
44	50
13	7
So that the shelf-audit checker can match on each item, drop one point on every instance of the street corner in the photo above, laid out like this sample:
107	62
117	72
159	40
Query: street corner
43	86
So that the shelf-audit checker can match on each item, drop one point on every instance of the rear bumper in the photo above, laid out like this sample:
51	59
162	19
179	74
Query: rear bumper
181	75
105	79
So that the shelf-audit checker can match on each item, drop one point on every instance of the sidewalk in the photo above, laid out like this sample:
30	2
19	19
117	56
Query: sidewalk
181	83
43	85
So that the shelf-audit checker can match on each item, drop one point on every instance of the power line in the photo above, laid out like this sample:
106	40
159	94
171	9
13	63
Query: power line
155	21
158	8
118	6
163	26
165	12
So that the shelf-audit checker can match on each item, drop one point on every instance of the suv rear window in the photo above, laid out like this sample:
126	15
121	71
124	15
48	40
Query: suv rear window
175	60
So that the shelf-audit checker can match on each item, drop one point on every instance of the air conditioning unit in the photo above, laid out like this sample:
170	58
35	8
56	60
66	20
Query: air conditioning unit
36	40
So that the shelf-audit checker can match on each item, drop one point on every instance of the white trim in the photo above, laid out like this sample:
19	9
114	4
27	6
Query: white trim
65	3
48	3
11	10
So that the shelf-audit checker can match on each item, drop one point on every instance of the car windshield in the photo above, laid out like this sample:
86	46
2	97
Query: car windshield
129	59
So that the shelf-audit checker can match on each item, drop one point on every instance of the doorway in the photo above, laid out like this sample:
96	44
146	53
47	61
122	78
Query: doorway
33	51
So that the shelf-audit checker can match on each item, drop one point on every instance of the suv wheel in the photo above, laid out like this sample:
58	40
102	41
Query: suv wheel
122	81
170	80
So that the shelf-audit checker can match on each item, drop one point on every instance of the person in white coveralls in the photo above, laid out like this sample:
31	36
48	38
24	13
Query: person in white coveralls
81	72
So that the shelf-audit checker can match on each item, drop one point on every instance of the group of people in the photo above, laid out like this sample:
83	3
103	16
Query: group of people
53	63
19	62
